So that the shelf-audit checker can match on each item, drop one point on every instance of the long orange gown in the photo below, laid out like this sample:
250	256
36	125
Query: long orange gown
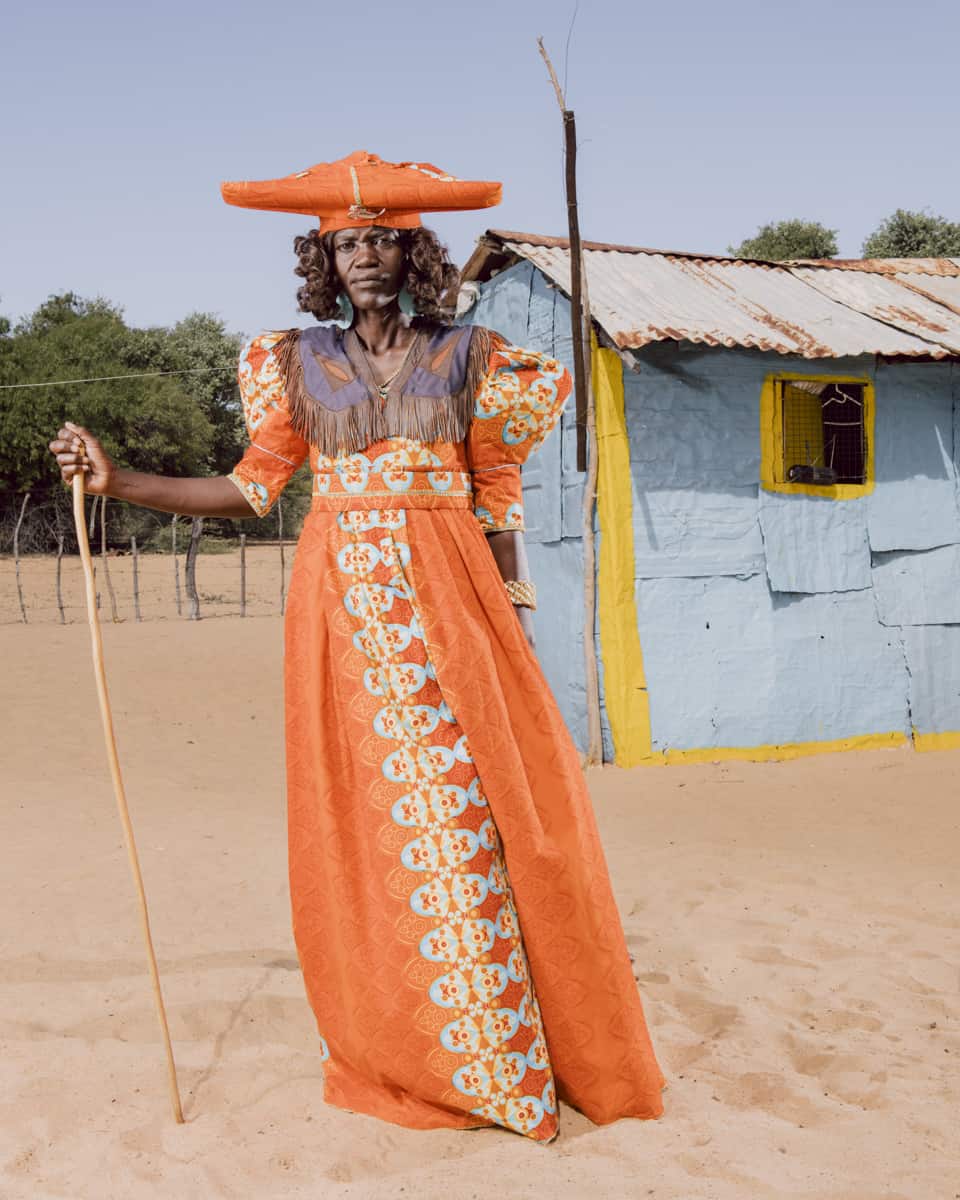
452	910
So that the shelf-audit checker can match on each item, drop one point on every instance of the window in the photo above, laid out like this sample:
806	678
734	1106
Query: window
816	435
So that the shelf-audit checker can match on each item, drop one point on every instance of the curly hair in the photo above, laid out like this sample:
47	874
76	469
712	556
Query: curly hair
430	273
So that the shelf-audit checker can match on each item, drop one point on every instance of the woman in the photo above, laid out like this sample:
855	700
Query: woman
453	916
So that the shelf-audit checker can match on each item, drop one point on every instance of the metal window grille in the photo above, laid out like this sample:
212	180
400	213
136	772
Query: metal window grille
823	433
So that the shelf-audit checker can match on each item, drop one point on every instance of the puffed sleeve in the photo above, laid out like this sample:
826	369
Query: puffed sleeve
276	450
517	404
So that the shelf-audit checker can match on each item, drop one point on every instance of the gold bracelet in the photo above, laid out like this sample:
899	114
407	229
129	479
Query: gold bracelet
522	593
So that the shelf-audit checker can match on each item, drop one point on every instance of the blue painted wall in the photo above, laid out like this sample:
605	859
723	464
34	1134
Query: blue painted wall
520	305
763	618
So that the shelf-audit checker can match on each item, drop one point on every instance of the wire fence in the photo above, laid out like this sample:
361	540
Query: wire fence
244	579
239	579
150	565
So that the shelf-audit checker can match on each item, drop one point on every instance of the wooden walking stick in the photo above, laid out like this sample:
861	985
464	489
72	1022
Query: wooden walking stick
107	720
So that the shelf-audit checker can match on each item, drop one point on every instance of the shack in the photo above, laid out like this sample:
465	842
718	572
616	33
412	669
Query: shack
778	505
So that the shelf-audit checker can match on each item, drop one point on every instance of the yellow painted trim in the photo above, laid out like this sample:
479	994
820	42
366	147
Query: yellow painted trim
771	438
922	742
936	741
781	752
785	750
624	683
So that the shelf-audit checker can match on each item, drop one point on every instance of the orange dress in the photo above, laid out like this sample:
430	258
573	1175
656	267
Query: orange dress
452	911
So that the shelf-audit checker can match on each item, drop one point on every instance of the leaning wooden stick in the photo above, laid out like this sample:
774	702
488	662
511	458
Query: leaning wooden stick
107	719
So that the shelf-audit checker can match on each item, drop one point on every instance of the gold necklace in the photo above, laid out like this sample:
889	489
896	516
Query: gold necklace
384	388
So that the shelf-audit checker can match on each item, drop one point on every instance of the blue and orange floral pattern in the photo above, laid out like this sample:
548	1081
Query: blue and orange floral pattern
258	374
468	930
517	405
400	643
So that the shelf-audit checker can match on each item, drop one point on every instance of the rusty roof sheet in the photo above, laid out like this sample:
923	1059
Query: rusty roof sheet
890	299
944	291
884	266
816	310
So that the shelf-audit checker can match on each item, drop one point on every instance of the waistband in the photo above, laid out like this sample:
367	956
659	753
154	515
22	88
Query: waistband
346	491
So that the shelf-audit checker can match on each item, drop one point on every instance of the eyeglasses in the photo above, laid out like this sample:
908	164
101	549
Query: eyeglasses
382	239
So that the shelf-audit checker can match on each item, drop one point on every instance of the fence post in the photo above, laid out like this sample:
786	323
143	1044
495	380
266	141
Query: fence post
114	615
283	564
63	619
243	574
136	578
176	565
16	556
196	530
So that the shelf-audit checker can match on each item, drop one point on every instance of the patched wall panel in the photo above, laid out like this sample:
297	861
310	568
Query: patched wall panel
728	663
918	588
694	463
933	655
693	419
542	471
683	531
814	544
504	303
914	504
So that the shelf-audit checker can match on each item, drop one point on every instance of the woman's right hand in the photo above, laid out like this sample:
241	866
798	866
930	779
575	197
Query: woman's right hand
78	450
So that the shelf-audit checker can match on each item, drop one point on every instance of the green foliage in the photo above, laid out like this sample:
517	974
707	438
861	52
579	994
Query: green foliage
913	235
176	425
788	239
181	424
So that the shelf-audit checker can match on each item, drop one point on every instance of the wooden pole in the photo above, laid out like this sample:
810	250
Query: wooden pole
136	578
16	556
283	561
63	619
114	614
587	451
106	718
190	570
578	321
243	574
176	565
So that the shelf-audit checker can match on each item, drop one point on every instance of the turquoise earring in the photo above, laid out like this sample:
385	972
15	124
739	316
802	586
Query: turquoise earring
345	320
406	302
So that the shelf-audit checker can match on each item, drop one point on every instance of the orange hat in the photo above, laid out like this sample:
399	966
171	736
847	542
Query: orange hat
362	190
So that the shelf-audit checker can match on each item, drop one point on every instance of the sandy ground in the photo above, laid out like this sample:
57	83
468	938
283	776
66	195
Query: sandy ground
796	929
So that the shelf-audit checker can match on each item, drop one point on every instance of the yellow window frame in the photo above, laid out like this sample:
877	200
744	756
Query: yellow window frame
771	438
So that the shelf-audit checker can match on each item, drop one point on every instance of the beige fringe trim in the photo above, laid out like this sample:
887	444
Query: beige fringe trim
420	418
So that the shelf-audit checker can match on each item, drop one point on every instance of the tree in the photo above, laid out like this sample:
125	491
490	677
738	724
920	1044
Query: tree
913	235
788	239
148	424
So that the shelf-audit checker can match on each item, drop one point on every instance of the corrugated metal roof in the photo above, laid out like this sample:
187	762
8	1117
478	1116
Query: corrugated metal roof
825	309
944	290
884	266
890	299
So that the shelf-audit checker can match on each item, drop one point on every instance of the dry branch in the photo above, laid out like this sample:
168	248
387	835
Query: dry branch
114	614
243	574
283	562
106	718
587	451
176	565
16	556
63	619
190	572
136	578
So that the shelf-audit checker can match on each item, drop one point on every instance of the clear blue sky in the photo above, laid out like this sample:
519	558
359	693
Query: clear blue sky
698	122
